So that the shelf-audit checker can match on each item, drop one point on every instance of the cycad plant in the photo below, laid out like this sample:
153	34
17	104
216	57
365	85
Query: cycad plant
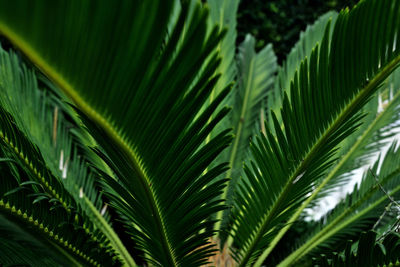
124	126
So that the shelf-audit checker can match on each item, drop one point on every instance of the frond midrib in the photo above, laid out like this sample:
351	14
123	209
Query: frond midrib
349	108
331	175
110	233
111	132
237	135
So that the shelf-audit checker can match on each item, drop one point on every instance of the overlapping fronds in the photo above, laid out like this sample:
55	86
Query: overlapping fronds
140	98
41	116
326	98
223	13
369	252
19	247
42	119
33	196
379	125
357	212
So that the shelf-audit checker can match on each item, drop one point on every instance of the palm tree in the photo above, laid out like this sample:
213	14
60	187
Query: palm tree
116	126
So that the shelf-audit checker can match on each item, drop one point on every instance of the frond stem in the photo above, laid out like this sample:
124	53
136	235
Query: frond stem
235	145
39	177
112	236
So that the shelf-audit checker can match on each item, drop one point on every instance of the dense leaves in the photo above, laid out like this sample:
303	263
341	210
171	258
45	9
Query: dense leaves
148	126
125	107
323	108
360	210
369	252
279	22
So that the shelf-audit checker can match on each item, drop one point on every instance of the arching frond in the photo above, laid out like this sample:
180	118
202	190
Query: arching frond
31	195
256	74
324	107
378	127
20	248
42	117
223	14
141	99
357	212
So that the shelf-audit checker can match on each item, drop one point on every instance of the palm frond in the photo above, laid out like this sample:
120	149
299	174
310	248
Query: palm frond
378	127
223	13
302	49
19	248
256	74
357	212
42	119
143	117
369	252
42	116
35	198
326	97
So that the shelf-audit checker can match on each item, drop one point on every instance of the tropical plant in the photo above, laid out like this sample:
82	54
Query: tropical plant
119	147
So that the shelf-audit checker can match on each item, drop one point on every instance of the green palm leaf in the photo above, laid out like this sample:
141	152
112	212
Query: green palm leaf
357	212
223	13
256	74
369	252
15	241
357	149
302	49
139	99
36	198
378	128
326	96
41	116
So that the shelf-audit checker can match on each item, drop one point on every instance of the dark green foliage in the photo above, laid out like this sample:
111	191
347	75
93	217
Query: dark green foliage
32	194
302	151
293	236
148	119
369	252
131	114
279	22
360	210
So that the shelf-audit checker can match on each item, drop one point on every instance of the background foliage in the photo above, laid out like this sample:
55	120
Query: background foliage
279	22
